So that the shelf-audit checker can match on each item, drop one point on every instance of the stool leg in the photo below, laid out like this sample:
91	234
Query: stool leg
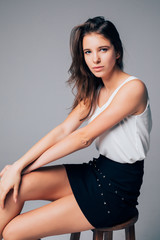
108	235
97	235
130	233
75	236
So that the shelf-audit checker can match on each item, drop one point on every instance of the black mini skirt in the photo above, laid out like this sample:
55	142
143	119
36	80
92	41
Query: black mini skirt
105	190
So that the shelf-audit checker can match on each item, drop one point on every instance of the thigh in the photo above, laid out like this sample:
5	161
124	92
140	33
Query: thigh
48	183
59	217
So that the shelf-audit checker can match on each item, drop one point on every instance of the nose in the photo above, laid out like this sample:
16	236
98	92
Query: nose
96	58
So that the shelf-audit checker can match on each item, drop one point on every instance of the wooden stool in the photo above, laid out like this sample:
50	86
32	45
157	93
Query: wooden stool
107	233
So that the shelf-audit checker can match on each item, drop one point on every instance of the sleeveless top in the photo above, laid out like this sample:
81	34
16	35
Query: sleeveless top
128	141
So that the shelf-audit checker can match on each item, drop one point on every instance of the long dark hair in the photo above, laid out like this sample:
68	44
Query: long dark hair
82	78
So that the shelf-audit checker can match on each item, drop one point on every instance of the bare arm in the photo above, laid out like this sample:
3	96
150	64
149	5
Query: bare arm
11	175
71	143
70	124
130	100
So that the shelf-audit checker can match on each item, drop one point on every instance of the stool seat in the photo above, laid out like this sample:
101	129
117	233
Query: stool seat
107	233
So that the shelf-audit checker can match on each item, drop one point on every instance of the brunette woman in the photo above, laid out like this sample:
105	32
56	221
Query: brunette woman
98	193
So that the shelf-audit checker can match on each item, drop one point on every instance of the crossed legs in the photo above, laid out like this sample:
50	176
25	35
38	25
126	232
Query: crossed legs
61	216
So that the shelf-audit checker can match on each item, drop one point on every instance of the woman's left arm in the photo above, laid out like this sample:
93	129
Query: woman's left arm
131	99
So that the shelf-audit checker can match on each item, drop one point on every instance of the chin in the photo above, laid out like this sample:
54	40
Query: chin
98	75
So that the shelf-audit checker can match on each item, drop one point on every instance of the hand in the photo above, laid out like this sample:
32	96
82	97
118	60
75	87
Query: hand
10	179
4	170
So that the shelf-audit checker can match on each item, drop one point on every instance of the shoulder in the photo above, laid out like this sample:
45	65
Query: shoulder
134	94
135	84
134	88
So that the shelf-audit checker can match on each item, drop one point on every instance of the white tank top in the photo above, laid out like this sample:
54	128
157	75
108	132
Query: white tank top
128	141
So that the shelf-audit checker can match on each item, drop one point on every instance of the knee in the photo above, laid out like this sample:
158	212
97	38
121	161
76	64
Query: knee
13	231
5	234
9	233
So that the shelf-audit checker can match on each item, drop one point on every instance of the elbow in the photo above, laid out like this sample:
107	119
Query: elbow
85	140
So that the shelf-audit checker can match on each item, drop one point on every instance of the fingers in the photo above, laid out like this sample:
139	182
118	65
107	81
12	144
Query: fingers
2	197
10	180
3	194
2	202
15	193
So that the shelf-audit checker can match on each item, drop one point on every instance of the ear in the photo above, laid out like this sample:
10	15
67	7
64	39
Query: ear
118	55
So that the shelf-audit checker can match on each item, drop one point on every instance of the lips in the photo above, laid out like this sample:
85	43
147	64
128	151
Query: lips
98	69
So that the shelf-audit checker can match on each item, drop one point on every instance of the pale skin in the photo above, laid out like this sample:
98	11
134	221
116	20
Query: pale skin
20	183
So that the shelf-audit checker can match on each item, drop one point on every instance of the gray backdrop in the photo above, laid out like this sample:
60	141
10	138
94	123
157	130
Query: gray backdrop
34	60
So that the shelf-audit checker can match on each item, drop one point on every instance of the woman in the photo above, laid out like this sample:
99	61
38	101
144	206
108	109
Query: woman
104	191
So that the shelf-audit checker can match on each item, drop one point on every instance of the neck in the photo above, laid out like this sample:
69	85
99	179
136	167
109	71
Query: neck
114	79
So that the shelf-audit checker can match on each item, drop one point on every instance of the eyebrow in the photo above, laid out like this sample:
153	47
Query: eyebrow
105	46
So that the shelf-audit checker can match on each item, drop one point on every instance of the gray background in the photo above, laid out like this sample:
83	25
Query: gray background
34	60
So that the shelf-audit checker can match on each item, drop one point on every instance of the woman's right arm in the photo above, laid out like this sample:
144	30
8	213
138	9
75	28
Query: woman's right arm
10	176
70	124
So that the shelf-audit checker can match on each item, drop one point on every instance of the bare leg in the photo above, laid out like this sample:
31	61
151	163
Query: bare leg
10	211
46	184
60	217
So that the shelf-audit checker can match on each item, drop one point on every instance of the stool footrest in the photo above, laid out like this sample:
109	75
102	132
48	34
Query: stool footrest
75	236
107	233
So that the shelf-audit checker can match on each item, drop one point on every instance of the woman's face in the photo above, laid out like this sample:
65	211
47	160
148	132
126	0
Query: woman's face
99	54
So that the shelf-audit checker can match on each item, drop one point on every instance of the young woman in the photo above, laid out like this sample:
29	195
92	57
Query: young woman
102	192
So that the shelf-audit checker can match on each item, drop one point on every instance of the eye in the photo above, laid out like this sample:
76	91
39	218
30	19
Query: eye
87	52
104	49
